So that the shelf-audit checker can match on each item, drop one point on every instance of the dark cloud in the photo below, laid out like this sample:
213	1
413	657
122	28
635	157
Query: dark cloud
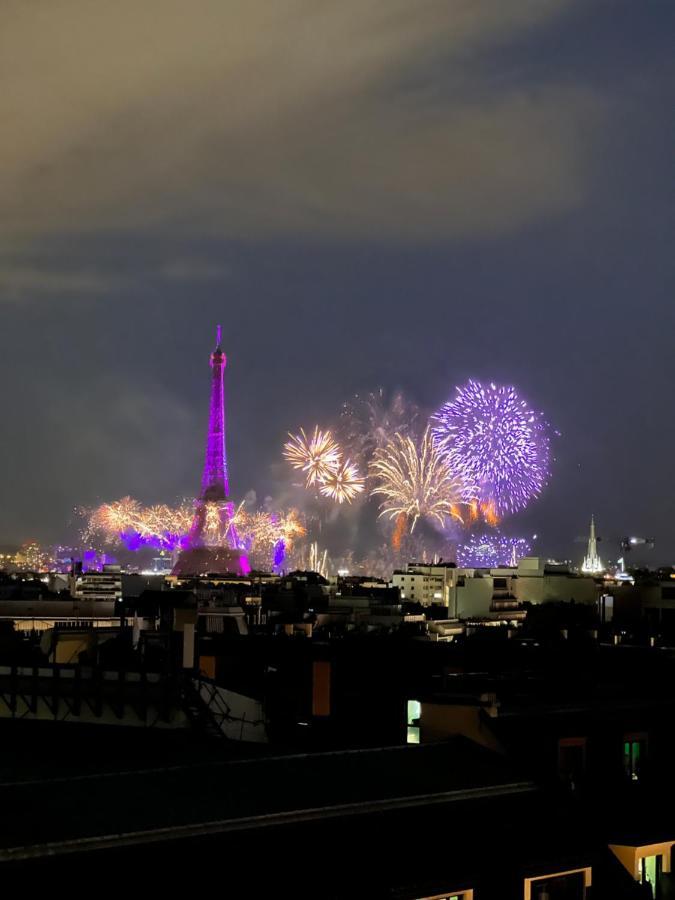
255	118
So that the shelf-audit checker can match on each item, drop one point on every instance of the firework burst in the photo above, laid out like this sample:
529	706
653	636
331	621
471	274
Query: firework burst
416	480
127	521
343	483
290	527
264	530
492	550
318	456
491	437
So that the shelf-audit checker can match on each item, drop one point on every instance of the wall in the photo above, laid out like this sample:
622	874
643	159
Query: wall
555	587
474	598
439	721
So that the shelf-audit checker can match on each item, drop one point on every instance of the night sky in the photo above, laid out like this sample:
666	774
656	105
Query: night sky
364	193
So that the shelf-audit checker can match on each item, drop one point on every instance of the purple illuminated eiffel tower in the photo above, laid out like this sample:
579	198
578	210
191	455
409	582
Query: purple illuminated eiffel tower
213	542
215	482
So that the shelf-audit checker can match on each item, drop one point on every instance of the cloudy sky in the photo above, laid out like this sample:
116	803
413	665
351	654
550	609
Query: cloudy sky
364	193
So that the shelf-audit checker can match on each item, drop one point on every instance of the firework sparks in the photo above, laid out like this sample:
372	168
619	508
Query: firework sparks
318	456
416	480
369	421
343	483
491	437
290	527
269	536
399	531
264	529
127	521
115	518
491	551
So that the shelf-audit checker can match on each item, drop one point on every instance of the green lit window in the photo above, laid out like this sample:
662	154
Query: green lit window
650	873
633	756
414	712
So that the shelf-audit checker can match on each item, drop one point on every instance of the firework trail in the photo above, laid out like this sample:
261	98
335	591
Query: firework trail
491	437
399	531
318	561
317	455
415	479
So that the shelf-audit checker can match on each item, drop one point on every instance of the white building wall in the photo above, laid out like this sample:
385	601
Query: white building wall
425	585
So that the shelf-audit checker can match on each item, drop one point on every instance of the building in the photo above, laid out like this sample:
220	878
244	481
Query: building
100	587
429	585
592	564
541	581
498	593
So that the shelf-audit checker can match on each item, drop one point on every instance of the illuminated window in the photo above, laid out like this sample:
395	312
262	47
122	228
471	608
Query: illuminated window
646	865
413	721
634	752
650	868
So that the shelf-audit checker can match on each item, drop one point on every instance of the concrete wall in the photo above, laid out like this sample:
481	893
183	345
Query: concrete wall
439	721
474	598
555	587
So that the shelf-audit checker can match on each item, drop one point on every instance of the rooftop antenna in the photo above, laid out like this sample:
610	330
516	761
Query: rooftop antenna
218	335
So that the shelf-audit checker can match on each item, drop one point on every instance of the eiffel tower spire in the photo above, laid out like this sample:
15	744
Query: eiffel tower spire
215	481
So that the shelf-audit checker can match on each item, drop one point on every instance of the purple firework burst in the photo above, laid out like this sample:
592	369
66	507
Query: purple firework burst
492	550
494	440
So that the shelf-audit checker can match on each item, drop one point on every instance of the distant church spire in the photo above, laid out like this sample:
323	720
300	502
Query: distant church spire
592	564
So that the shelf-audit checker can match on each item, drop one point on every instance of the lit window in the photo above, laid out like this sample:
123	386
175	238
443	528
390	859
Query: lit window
634	752
412	735
414	712
650	869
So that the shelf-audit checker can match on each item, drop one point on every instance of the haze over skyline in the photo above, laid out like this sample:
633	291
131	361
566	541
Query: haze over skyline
365	194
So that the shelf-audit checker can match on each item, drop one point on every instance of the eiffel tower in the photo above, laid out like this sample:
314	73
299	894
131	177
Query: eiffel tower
213	542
